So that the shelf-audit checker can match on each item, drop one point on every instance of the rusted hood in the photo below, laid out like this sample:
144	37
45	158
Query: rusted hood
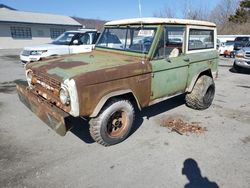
92	68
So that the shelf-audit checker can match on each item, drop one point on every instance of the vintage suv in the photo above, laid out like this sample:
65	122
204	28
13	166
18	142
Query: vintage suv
136	63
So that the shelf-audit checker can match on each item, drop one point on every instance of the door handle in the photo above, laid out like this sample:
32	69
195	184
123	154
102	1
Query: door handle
186	59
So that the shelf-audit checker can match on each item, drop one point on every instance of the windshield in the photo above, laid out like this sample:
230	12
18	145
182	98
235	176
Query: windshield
64	39
228	43
135	39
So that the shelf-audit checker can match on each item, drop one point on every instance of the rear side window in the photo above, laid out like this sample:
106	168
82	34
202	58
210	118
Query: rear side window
200	39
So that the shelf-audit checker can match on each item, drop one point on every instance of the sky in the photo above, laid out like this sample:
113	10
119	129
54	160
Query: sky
108	9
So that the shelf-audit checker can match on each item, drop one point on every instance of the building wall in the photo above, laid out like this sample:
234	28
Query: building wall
40	35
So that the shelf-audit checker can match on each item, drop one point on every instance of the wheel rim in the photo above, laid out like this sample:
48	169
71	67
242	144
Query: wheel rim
209	95
117	124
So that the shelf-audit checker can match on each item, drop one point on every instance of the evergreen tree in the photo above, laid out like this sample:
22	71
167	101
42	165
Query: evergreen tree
242	14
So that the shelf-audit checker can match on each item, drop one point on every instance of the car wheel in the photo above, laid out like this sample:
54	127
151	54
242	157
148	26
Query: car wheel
202	95
236	68
113	124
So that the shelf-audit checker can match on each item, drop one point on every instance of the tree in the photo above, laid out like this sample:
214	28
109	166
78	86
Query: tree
224	9
242	14
196	14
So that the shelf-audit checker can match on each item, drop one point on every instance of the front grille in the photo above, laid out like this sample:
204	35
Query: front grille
26	53
47	81
48	88
247	55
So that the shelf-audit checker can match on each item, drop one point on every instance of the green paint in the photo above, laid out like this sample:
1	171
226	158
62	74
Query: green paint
94	61
169	76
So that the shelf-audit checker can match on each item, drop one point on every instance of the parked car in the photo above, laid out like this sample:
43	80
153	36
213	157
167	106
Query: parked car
242	59
132	66
70	42
240	42
227	48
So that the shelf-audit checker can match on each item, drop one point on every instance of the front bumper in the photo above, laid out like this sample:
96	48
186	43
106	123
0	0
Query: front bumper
244	63
30	58
54	117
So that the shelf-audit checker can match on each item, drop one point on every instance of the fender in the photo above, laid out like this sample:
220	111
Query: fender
105	98
192	83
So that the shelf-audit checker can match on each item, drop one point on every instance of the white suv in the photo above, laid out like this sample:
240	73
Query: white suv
70	42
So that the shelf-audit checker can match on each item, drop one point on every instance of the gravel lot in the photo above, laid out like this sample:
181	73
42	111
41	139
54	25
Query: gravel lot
32	155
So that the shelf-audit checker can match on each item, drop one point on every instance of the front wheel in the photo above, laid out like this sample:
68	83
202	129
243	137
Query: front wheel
113	124
202	94
236	68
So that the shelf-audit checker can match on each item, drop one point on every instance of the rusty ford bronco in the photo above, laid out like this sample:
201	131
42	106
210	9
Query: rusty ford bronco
136	63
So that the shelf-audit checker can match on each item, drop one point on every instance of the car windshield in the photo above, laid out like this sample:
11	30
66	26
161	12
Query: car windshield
64	39
228	43
133	39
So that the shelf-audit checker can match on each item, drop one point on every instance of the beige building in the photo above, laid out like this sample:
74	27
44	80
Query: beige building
19	29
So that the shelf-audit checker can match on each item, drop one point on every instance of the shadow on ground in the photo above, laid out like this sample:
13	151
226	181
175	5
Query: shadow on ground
9	87
240	71
193	173
81	126
81	130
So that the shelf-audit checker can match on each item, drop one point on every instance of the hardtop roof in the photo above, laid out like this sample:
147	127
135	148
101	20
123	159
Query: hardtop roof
134	21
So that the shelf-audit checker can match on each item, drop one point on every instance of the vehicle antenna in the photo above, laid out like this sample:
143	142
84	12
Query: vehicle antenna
140	16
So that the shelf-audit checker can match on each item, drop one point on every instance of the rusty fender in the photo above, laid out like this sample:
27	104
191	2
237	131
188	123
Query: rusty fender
135	77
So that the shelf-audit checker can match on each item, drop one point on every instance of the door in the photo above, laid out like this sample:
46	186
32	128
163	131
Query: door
170	65
84	44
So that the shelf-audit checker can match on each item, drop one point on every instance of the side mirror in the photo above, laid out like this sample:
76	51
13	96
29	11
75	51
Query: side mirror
75	42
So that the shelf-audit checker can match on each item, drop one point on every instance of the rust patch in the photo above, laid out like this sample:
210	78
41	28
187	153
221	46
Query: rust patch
92	86
113	73
59	64
47	112
66	65
182	127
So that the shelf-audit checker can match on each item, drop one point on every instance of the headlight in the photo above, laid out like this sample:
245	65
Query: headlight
29	76
64	95
240	54
37	52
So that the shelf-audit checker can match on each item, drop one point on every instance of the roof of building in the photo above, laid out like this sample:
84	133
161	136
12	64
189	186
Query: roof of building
5	6
9	15
159	21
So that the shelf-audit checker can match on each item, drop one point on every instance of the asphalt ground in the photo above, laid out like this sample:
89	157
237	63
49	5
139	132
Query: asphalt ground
32	155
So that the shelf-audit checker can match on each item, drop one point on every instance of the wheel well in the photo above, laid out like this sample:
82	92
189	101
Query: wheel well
127	96
123	96
206	72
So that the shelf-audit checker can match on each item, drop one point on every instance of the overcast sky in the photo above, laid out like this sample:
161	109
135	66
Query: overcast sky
108	9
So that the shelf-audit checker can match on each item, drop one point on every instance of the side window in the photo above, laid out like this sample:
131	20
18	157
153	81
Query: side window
200	39
85	39
171	43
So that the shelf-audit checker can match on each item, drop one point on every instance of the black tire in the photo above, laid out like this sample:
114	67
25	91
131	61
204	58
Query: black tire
113	124
236	68
202	95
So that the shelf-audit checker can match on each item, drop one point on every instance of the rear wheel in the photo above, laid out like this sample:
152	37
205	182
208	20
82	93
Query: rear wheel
113	124
202	95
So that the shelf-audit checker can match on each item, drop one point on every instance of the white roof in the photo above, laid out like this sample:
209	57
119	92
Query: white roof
81	30
7	15
159	21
